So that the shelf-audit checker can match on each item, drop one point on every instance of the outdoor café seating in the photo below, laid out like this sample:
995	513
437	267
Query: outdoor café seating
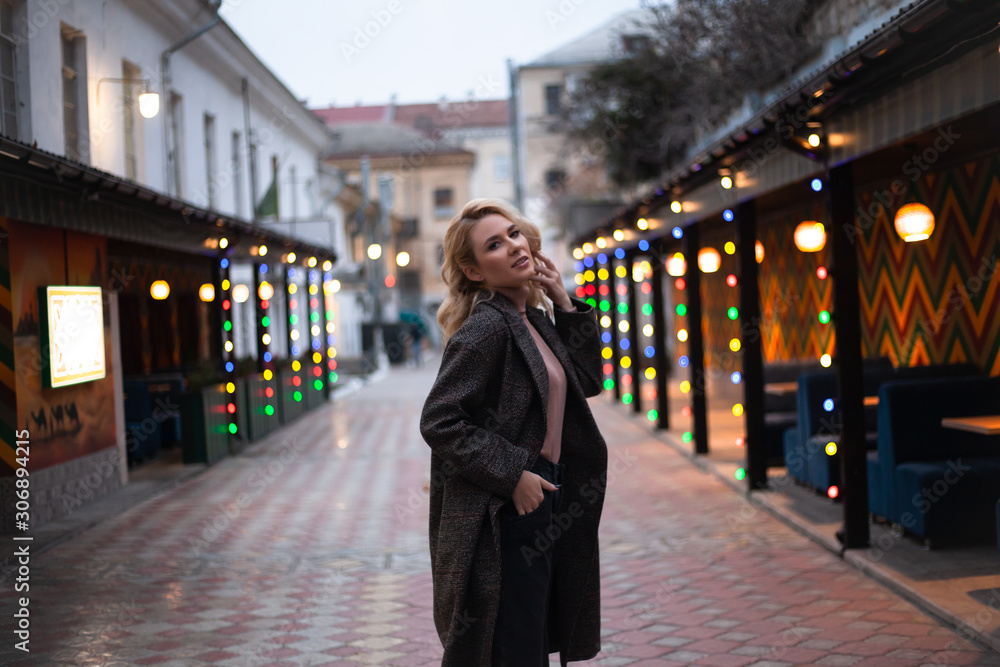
937	482
813	462
780	412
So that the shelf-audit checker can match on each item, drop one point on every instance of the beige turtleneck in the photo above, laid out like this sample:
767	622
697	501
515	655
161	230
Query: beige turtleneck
557	396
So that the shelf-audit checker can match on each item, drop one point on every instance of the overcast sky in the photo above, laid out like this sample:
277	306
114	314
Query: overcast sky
423	50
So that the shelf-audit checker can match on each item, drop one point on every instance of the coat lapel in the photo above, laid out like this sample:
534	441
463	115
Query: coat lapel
524	341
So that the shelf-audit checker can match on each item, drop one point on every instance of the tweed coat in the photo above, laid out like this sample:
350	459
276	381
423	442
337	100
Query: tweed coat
485	421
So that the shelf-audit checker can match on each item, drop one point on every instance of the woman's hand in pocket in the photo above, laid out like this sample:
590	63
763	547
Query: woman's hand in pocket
528	494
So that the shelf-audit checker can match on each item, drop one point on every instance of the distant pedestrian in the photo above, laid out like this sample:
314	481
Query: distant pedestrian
518	465
417	333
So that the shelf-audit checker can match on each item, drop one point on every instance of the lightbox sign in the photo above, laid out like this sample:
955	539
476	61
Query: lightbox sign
72	335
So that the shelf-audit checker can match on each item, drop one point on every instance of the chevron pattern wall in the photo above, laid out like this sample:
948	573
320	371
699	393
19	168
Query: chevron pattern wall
935	301
792	295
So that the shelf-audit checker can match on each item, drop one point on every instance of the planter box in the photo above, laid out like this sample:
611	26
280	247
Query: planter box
290	407
313	397
205	425
259	422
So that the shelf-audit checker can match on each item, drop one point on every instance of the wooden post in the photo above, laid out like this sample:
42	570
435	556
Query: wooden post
753	363
696	343
847	320
633	326
661	363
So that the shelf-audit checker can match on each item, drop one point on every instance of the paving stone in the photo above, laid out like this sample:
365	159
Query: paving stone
329	564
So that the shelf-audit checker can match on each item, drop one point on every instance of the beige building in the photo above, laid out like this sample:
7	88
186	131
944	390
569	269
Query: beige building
422	183
438	156
562	189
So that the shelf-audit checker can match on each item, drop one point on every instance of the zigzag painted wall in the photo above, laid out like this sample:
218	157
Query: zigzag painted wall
934	301
792	296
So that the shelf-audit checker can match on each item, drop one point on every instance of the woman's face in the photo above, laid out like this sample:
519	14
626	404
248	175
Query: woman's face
502	252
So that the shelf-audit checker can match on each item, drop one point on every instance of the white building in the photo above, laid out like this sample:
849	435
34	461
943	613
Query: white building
95	193
67	95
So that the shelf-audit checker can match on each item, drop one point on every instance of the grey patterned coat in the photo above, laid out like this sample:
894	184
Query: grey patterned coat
485	421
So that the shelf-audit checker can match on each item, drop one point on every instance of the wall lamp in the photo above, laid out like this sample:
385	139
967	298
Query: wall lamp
149	102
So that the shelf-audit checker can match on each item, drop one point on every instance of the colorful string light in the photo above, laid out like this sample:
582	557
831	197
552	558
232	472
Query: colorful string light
228	347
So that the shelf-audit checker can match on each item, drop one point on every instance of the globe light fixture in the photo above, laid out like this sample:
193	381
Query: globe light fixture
676	265
810	236
159	290
265	291
709	260
241	293
914	222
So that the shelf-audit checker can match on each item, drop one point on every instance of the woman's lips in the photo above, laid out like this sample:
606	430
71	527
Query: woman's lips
520	262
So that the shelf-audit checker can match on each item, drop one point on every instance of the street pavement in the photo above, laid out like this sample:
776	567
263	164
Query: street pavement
310	548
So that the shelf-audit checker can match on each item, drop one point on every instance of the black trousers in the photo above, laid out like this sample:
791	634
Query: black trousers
521	638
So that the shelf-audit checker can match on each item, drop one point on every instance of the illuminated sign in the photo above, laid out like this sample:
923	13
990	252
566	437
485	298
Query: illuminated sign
72	335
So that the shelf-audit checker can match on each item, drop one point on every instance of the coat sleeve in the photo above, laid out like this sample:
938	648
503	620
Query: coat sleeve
453	423
581	336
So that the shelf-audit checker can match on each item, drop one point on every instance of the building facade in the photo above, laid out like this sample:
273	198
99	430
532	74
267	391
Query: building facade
147	157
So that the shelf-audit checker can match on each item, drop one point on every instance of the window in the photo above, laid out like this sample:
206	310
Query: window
176	154
501	167
74	81
553	99
555	180
8	71
444	203
210	159
129	100
635	44
237	167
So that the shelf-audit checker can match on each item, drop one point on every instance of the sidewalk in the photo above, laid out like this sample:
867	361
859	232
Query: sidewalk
958	585
310	548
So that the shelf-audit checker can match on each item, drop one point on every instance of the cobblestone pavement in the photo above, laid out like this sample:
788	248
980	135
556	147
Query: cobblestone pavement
310	548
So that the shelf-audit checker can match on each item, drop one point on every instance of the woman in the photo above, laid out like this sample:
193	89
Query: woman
518	465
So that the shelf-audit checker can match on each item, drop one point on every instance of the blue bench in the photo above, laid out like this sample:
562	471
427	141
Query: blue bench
780	411
805	443
822	467
939	483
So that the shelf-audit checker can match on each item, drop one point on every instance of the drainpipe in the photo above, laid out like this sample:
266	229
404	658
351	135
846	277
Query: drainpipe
165	81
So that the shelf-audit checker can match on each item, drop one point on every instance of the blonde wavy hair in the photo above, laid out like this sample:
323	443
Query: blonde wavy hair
464	294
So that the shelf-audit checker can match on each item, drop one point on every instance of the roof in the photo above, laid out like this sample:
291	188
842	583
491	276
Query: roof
599	45
426	117
90	186
385	139
357	114
870	66
451	115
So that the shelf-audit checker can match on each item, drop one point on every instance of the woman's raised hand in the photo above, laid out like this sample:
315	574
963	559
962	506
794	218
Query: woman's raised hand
550	281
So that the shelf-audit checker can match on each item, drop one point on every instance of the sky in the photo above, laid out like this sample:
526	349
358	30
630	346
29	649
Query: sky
341	53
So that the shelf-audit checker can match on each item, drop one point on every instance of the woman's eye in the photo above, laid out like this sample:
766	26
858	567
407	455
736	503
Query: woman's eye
515	232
